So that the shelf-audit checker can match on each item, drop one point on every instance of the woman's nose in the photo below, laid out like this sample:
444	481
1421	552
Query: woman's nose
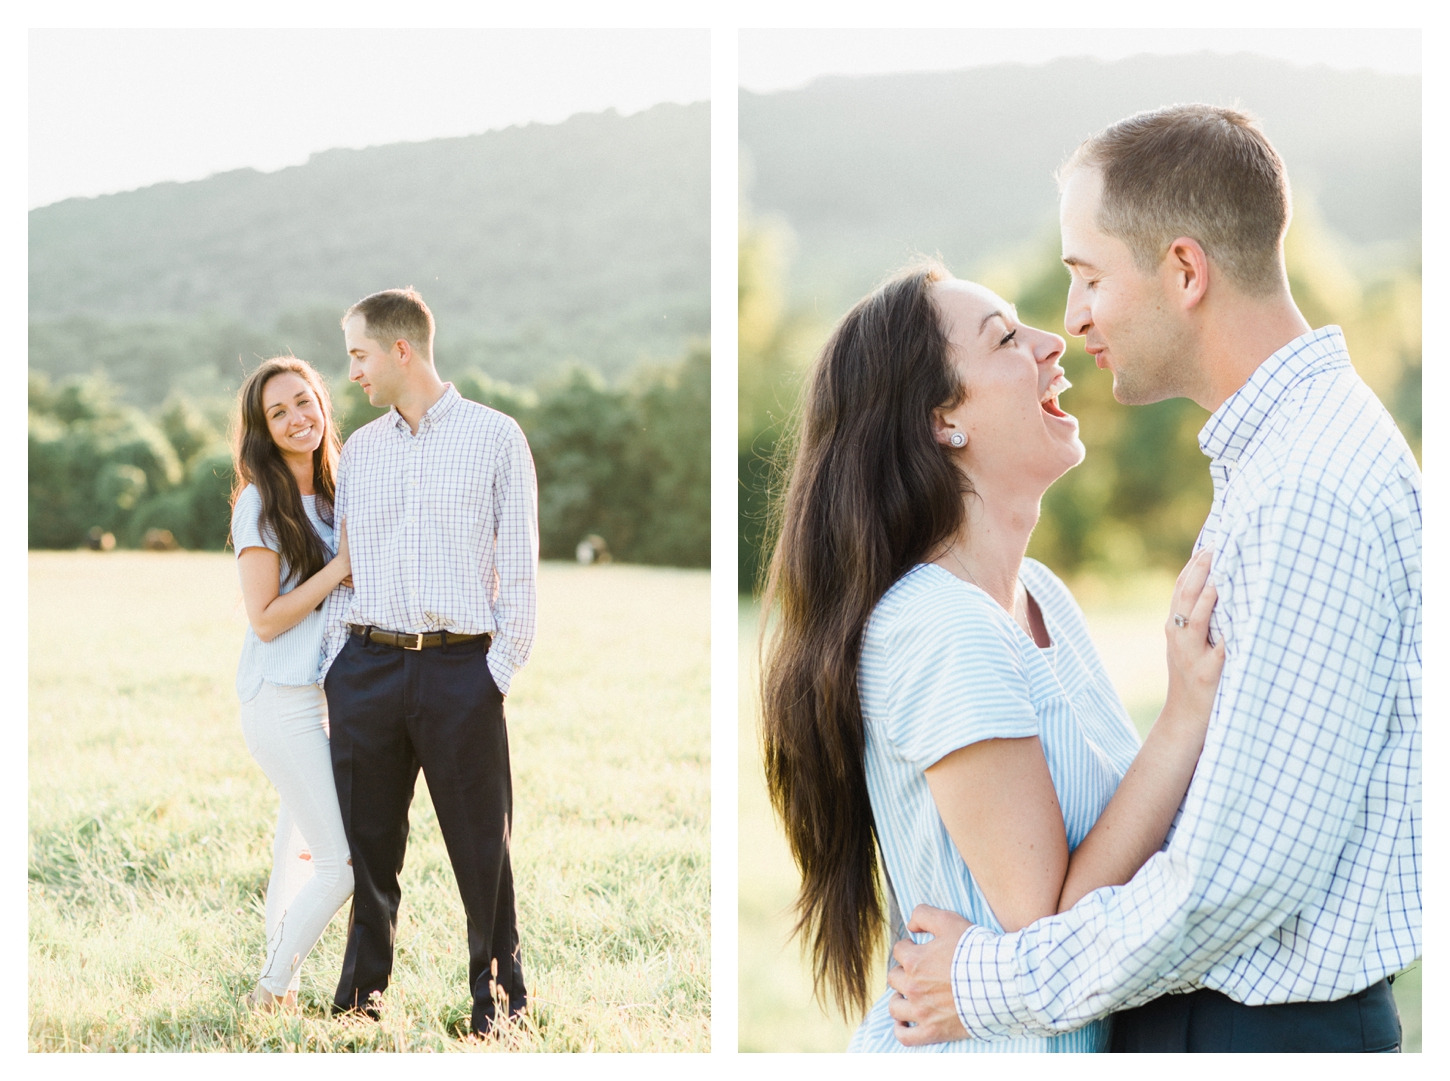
1051	348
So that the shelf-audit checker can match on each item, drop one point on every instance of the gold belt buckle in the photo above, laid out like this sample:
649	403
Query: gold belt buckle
418	636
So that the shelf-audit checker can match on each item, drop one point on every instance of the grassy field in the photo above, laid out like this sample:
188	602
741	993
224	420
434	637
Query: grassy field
776	1009
150	825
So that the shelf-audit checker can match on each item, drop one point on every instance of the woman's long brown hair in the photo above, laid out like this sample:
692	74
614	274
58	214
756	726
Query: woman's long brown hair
258	461
868	493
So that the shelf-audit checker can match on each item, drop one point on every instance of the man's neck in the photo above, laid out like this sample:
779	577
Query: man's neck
418	399
1241	337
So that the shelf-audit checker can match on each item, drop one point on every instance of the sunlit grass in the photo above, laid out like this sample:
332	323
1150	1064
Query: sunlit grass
777	1012
150	825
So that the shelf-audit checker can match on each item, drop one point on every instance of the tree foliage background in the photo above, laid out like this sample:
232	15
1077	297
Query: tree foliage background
629	463
926	168
567	265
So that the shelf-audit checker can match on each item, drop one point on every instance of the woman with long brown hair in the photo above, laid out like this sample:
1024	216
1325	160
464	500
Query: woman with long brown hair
932	702
285	456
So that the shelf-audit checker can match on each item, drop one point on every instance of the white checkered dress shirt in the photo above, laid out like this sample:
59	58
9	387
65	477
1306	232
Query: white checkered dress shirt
1293	871
442	528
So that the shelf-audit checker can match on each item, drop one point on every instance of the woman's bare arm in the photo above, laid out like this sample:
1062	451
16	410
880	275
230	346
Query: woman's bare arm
998	803
271	612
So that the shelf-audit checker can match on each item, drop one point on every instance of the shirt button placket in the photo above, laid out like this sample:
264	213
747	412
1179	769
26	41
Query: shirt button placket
412	503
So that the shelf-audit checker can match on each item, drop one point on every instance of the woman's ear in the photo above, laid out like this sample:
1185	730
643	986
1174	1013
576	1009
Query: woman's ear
946	432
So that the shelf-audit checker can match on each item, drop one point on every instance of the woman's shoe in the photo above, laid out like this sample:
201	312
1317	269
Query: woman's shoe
264	1001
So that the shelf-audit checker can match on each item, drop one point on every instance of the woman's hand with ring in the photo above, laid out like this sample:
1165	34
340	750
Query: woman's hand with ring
1194	662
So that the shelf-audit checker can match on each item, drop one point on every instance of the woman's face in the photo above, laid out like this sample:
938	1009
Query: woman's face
294	415
1018	439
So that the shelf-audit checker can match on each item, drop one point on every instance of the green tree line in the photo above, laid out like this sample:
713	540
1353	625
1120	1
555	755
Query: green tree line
628	463
1143	491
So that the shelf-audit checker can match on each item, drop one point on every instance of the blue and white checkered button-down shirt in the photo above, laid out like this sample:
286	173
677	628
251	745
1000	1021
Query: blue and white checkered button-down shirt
442	529
1293	871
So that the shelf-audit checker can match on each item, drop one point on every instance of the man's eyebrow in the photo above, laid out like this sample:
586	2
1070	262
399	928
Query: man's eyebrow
1073	260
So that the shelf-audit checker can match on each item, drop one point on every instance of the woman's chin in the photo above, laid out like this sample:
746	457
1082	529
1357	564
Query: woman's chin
1072	458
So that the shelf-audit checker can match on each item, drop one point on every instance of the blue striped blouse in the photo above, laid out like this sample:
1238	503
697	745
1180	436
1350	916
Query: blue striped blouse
293	658
943	666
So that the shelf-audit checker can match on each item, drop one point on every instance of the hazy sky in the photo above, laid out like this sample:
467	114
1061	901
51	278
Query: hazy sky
781	59
112	110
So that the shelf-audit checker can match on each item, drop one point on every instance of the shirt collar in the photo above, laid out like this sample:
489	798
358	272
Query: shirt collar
436	411
1234	424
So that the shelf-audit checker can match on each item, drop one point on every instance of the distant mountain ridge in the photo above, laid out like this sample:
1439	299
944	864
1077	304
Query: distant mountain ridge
869	169
535	246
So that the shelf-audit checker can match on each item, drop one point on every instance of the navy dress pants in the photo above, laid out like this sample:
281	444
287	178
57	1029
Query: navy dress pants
1209	1021
393	710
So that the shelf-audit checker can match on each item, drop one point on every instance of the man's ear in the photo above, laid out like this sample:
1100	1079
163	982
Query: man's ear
1186	265
403	351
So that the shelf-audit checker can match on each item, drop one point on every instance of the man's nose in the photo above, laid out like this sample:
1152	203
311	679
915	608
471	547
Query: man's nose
1077	318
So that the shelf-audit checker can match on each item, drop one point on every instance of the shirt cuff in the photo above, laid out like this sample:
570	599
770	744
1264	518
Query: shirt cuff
500	668
984	985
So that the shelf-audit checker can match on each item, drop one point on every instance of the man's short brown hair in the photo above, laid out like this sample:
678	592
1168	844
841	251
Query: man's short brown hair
1199	171
396	313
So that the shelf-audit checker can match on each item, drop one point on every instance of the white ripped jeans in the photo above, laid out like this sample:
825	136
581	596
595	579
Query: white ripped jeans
311	871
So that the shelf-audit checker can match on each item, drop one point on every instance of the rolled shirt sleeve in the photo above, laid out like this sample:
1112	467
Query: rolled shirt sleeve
516	558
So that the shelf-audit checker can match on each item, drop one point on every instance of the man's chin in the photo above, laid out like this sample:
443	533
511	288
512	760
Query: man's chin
1126	392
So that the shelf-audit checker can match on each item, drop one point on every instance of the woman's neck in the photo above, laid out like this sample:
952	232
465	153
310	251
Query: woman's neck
301	467
992	543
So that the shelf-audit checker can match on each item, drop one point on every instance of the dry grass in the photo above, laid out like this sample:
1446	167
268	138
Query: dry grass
150	825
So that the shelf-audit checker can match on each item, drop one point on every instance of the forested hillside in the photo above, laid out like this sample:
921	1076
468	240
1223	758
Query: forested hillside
539	246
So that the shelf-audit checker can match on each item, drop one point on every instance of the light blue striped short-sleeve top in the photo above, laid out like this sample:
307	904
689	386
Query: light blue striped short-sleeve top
943	666
293	658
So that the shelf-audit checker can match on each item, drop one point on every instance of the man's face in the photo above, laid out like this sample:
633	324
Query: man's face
1125	317
372	365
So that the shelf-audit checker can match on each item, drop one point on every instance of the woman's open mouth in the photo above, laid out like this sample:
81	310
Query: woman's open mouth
1049	399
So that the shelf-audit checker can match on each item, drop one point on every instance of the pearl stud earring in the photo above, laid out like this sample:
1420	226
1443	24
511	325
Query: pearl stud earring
958	439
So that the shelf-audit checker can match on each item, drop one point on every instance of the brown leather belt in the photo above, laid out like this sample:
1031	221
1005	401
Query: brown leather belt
416	640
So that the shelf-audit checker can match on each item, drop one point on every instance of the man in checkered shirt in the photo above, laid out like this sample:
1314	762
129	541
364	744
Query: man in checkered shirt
1289	888
441	512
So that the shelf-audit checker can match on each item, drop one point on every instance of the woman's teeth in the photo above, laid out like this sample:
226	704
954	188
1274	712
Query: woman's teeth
1049	401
